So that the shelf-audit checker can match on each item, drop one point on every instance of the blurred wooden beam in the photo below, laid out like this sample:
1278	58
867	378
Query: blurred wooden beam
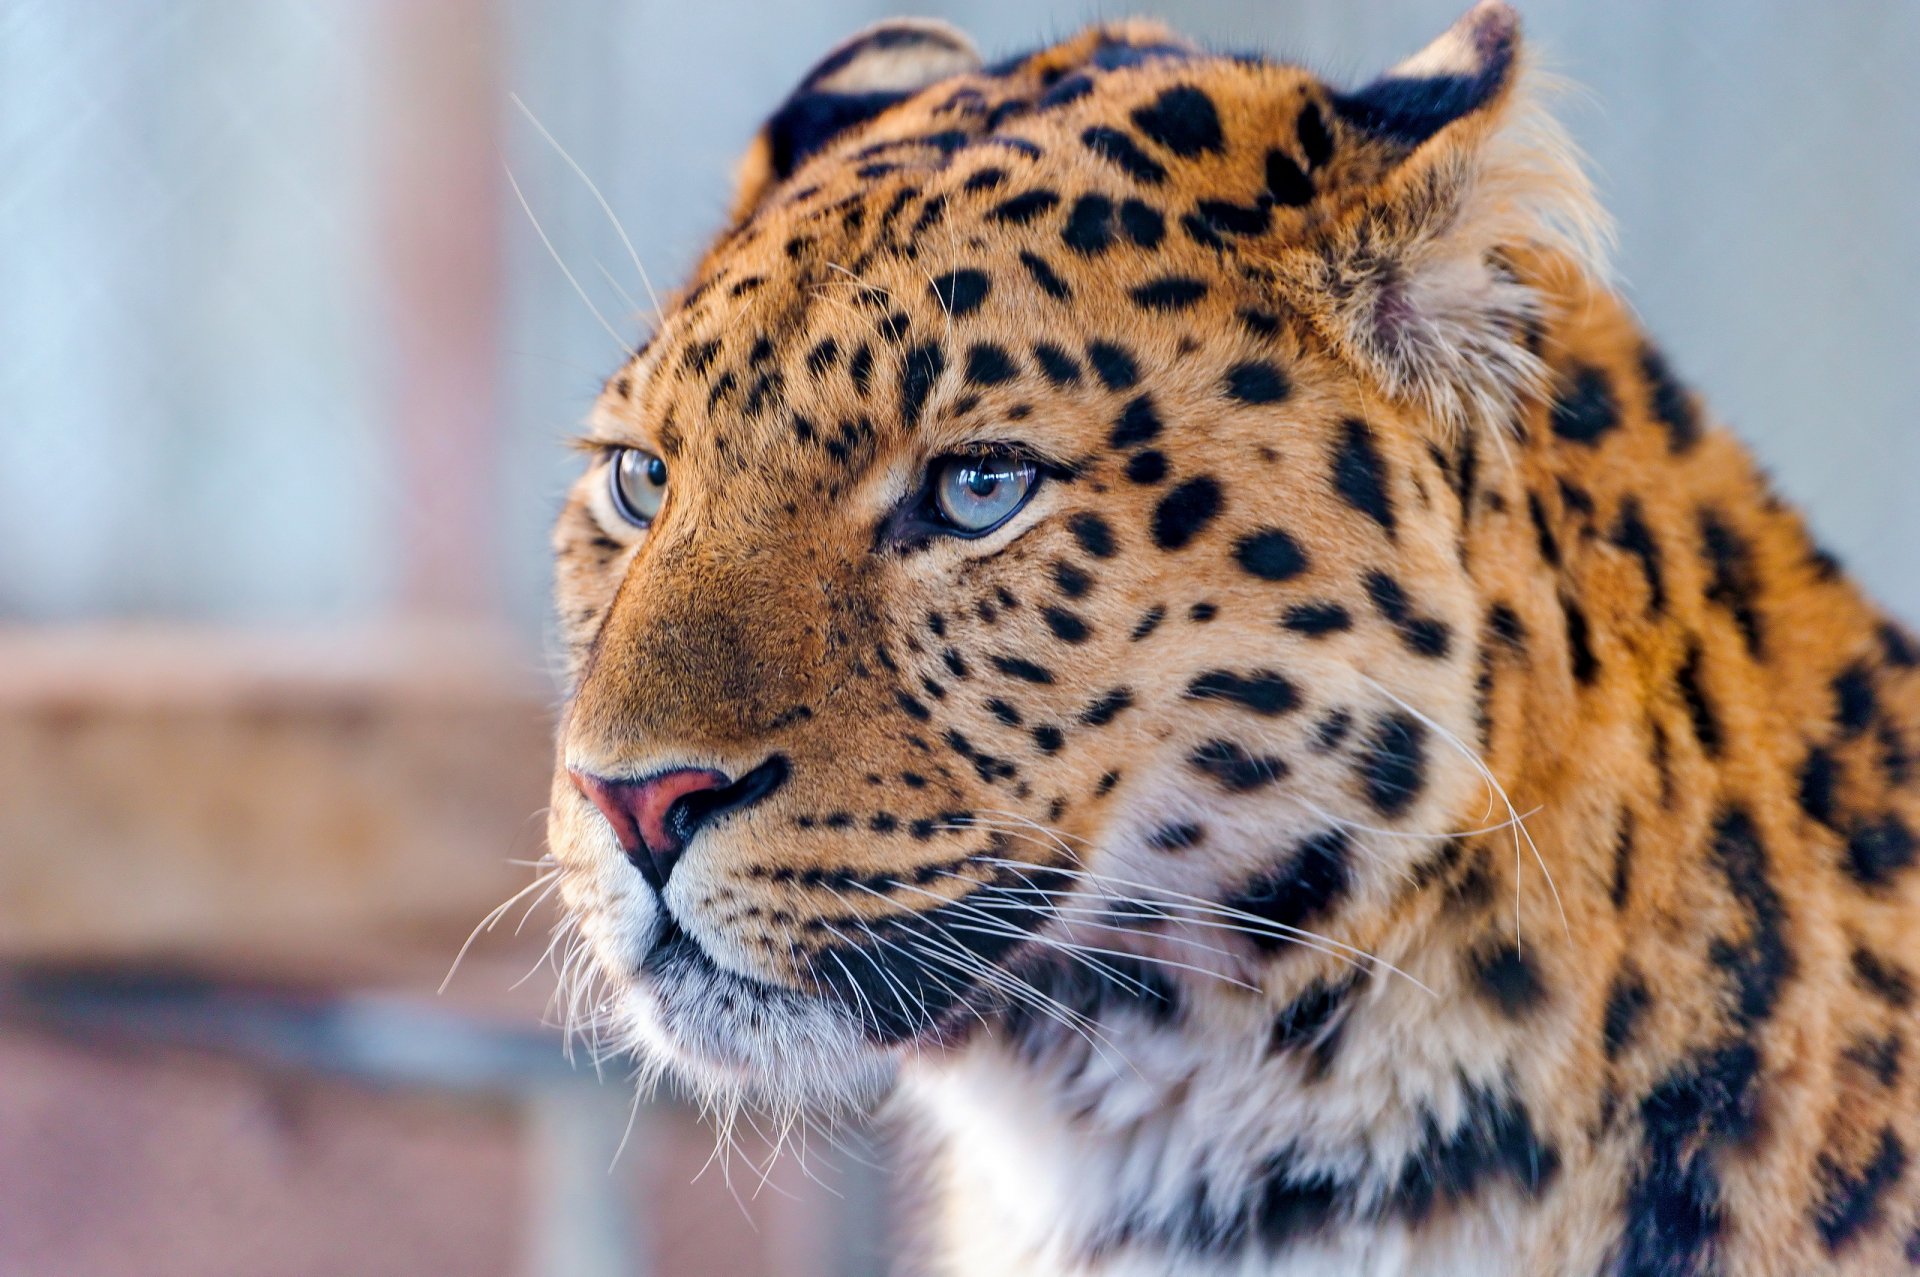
316	802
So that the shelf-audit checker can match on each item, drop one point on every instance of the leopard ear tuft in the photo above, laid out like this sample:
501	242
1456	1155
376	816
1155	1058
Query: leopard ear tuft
1470	69
1410	274
874	70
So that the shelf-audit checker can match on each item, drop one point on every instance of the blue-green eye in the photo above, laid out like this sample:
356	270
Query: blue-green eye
638	481
975	495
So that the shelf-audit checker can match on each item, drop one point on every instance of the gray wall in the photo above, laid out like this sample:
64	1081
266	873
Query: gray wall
199	339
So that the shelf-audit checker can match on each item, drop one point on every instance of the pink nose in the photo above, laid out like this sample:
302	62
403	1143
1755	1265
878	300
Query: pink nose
643	814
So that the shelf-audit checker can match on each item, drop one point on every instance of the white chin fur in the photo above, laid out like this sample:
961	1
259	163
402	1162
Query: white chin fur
727	1040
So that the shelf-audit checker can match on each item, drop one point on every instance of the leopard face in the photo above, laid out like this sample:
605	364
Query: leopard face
1045	501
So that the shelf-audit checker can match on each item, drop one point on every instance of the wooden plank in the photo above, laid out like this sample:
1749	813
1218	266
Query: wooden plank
191	796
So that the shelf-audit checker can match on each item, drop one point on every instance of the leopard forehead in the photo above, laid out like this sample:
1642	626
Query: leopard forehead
1073	219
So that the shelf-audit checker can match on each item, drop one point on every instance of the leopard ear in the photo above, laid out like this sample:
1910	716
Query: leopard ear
879	67
1459	174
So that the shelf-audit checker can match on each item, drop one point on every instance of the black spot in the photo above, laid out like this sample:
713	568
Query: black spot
1223	217
1257	382
1819	774
1393	762
985	179
960	292
1330	731
1113	144
1270	554
1851	1199
1879	850
1631	533
1884	979
1137	424
1627	1003
1312	882
1900	650
1315	142
1071	89
913	706
1423	635
1586	409
1262	691
1059	367
1879	1056
1542	530
1763	964
1148	623
860	368
1183	120
1505	625
1580	657
1733	583
1065	625
1089	228
1200	233
1287	183
1622	860
1104	710
1672	407
1673	1208
1853	700
1093	534
1050	284
1184	512
931	213
1071	581
1147	467
1234	768
1359	476
822	356
1706	724
1508	980
1175	837
1021	668
1142	223
990	365
1201	613
1261	323
1049	738
1004	712
1113	365
1169	293
1024	207
1313	1021
921	368
1316	619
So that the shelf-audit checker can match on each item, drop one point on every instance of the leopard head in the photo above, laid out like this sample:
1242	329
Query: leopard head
1040	516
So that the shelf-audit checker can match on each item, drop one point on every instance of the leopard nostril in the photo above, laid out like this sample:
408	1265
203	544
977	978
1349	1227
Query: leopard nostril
655	817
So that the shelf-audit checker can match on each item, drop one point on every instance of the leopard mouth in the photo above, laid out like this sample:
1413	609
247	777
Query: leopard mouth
918	980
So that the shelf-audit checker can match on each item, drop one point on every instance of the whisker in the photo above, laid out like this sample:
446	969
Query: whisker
1255	923
1520	830
626	347
493	916
605	207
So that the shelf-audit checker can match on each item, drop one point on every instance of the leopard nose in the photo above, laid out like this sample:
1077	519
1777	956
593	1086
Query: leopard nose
656	816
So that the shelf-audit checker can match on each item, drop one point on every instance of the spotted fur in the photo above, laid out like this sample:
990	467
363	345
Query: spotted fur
1402	797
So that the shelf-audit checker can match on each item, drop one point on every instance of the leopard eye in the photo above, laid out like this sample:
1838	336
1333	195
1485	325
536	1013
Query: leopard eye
638	481
976	494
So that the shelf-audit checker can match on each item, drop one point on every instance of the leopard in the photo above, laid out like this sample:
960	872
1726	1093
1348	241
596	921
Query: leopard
1158	621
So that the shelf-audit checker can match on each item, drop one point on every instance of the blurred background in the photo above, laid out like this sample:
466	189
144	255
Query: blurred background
285	370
